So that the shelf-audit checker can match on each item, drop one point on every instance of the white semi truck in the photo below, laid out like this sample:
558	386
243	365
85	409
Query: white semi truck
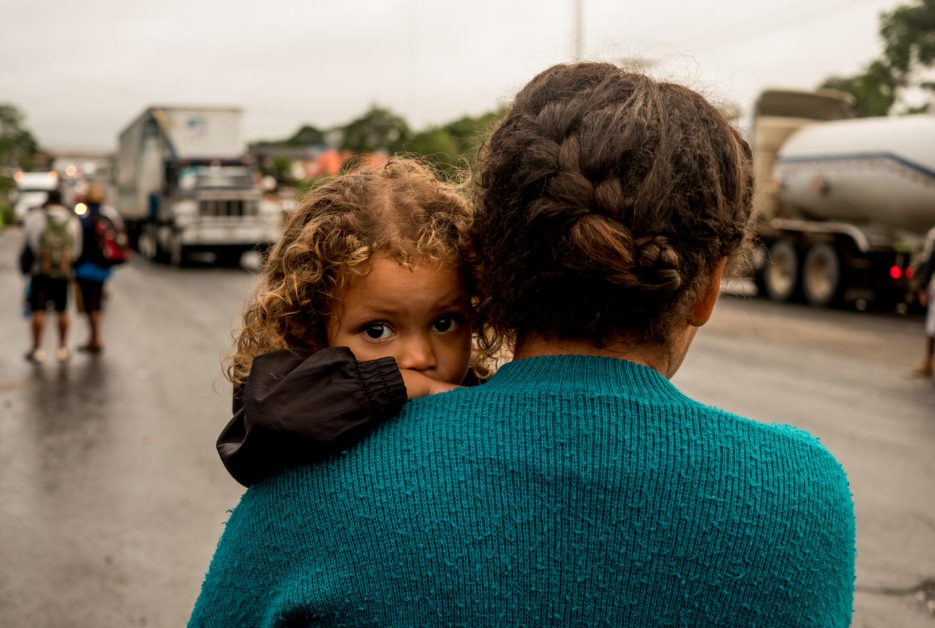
183	186
843	204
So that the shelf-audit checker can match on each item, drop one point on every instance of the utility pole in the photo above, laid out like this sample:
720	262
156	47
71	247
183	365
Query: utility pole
579	29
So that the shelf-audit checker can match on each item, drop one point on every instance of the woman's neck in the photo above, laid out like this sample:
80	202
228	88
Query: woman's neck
664	359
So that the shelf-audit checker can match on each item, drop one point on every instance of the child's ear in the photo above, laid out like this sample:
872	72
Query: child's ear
702	311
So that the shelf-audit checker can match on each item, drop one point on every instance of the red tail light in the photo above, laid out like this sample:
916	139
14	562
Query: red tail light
896	272
910	273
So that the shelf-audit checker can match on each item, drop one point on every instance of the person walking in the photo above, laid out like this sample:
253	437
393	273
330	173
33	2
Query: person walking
927	298
93	267
53	240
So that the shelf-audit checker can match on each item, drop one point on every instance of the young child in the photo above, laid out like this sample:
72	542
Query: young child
362	304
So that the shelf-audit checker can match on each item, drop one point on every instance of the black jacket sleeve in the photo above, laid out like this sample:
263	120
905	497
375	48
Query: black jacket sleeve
298	406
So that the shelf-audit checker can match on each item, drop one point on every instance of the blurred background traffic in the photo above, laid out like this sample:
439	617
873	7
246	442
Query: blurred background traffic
205	122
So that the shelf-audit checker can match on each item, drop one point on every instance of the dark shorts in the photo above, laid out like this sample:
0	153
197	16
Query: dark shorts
45	290
90	295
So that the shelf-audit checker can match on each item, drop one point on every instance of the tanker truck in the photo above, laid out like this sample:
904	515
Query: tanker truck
842	204
184	187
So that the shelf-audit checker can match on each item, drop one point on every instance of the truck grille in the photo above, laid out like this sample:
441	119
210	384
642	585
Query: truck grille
224	208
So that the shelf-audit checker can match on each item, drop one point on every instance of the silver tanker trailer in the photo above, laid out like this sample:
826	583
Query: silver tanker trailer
843	204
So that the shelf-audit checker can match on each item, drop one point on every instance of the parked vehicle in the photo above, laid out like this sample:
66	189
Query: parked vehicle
32	190
184	186
843	204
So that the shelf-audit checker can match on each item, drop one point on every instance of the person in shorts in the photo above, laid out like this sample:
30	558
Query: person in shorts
91	271
53	237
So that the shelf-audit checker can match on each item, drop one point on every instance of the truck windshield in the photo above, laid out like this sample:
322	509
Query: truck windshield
197	177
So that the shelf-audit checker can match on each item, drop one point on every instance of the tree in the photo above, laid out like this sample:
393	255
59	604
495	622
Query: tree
874	90
454	145
377	130
18	147
909	37
908	34
307	135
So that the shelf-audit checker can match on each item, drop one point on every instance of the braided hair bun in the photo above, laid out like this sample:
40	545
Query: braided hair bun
604	200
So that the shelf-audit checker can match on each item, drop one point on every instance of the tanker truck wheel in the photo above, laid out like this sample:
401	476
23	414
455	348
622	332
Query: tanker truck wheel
821	276
781	273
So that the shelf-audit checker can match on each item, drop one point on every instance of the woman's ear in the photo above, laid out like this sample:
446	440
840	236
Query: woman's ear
705	306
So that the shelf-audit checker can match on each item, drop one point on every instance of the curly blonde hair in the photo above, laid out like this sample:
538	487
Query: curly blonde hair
400	210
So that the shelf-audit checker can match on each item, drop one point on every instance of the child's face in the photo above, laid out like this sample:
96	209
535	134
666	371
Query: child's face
418	315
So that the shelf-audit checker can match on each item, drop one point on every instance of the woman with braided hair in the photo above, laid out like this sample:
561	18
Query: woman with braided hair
578	486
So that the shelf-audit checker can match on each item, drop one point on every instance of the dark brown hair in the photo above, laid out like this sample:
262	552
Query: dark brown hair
400	210
604	199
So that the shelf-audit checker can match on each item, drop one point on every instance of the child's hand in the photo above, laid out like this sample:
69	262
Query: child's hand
419	385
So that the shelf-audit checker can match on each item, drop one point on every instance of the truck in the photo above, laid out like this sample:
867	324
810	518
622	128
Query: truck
32	190
842	203
184	186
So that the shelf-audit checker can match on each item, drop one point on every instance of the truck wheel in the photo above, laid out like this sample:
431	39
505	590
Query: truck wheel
176	251
149	246
821	275
781	273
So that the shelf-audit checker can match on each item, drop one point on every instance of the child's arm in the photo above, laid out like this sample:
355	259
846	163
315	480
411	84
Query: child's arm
299	405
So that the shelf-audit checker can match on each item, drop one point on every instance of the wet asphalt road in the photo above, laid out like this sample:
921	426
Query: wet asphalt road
112	497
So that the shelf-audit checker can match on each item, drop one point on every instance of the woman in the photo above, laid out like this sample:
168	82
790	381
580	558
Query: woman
577	486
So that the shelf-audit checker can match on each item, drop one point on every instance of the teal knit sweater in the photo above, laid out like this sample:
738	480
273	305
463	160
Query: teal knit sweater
567	491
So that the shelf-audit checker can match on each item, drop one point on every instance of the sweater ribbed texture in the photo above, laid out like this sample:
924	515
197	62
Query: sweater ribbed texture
567	491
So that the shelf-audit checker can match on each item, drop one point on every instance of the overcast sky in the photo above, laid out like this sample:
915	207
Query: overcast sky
81	70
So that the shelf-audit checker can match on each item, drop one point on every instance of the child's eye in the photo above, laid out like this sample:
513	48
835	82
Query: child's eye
378	331
446	323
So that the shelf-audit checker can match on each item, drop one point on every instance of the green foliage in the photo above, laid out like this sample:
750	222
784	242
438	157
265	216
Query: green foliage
307	135
908	34
453	146
281	168
450	147
874	90
378	129
435	145
7	185
18	147
6	215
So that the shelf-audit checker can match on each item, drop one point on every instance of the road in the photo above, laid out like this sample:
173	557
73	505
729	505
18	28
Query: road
112	497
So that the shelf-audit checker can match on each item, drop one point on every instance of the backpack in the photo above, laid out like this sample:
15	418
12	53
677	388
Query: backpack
109	245
56	246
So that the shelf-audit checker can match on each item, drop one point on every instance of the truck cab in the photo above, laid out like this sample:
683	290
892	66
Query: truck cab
184	186
207	207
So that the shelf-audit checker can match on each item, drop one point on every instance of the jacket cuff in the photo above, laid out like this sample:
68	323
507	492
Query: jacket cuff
384	386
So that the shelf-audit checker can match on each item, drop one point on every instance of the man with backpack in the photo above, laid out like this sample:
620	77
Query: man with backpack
105	246
53	241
